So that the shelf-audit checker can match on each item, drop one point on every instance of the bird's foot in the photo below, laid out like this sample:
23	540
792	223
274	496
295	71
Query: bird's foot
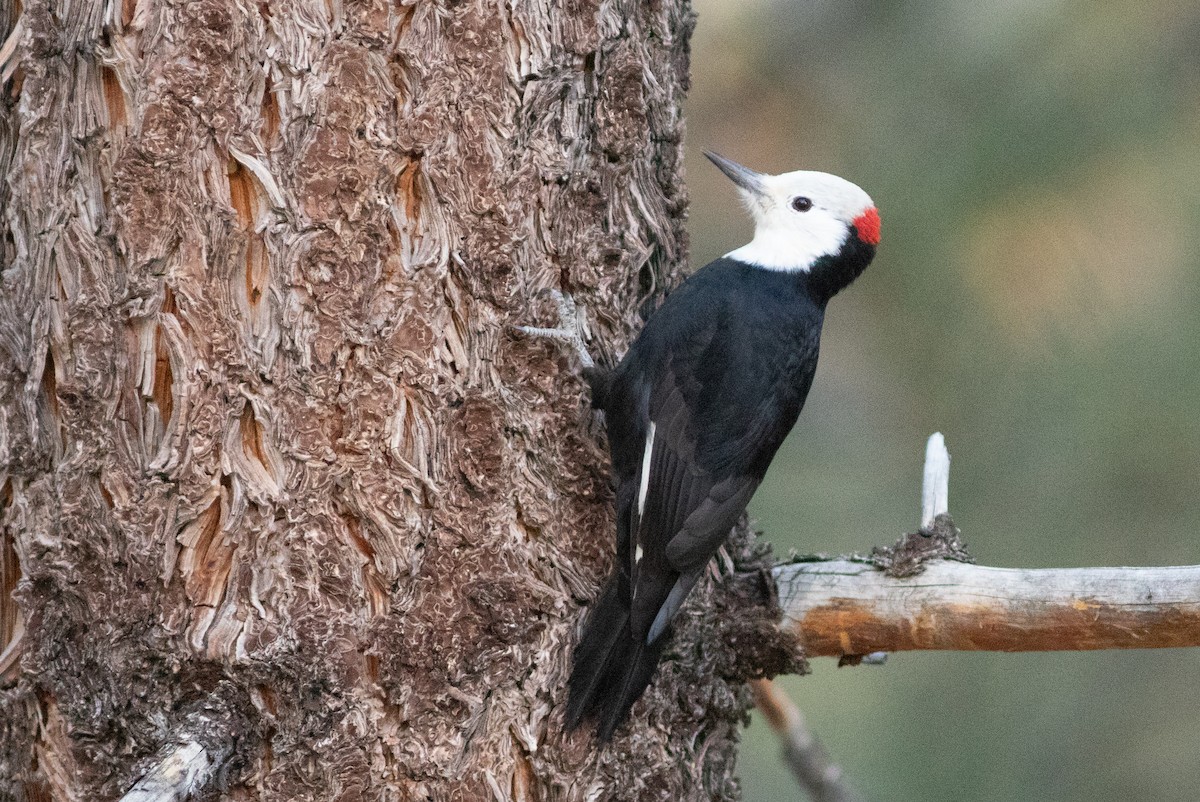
570	329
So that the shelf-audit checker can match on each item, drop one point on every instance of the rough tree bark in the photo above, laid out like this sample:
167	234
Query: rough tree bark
269	457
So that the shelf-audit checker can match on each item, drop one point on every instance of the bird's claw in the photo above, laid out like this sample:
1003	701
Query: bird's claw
570	327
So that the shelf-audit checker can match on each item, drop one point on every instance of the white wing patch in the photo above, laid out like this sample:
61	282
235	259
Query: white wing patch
647	453
643	488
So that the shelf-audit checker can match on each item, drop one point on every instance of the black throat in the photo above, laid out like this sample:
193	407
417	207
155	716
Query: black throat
829	275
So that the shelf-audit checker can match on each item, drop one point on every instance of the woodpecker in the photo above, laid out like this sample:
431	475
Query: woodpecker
697	408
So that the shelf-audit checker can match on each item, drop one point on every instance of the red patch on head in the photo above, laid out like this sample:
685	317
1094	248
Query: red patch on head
867	226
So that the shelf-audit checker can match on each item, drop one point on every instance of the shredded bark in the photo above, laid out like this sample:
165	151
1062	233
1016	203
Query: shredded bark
746	614
910	554
265	442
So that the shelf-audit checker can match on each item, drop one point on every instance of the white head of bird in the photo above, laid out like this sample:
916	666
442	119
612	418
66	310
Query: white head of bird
800	216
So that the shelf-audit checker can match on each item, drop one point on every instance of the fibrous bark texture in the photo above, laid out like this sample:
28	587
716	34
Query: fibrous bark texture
270	457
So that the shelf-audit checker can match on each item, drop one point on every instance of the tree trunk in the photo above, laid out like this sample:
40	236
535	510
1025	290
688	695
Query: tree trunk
270	457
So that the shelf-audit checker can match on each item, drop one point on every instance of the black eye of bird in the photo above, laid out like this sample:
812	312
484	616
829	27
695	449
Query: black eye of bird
801	203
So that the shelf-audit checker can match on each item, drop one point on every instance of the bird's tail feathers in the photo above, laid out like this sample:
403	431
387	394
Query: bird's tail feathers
634	669
611	667
607	621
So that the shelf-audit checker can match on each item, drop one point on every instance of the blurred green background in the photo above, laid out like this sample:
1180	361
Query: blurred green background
1037	167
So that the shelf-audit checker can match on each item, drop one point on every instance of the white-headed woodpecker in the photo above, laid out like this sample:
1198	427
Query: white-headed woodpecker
697	408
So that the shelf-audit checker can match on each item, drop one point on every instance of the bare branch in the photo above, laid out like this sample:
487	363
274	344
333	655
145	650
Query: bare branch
847	607
803	753
840	607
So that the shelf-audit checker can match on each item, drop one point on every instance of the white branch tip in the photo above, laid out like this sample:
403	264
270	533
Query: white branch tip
935	489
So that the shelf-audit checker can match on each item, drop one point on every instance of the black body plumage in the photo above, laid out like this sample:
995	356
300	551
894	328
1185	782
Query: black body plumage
695	412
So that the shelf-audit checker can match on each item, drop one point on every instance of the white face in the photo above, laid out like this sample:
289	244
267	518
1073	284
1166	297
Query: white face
800	217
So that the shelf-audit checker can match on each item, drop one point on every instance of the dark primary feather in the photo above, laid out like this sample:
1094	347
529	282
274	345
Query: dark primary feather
722	371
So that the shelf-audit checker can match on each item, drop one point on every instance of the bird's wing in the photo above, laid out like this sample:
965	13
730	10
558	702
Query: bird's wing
689	504
684	508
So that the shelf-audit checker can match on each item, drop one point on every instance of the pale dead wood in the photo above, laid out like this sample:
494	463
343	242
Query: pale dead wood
12	622
846	607
935	488
8	50
10	655
804	755
184	770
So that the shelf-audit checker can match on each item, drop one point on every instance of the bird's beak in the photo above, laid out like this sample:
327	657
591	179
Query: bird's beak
744	177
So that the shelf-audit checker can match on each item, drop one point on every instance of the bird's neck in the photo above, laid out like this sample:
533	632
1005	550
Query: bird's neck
826	270
787	250
829	275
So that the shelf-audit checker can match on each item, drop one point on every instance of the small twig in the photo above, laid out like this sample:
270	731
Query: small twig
190	762
181	771
803	753
935	489
8	50
10	658
263	173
